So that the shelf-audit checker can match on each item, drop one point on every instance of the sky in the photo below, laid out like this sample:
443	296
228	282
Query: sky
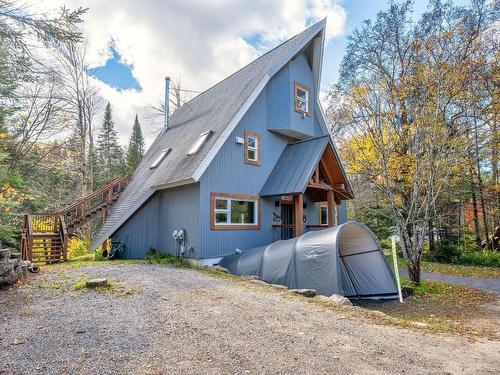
133	45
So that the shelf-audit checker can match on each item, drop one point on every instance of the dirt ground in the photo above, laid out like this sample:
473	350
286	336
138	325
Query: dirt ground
162	320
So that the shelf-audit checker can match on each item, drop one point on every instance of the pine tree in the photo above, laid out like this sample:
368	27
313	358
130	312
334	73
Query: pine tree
135	150
109	152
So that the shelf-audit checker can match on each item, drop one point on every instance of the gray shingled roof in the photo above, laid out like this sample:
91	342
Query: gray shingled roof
211	110
295	167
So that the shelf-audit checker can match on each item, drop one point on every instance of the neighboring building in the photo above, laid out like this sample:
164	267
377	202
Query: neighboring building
246	162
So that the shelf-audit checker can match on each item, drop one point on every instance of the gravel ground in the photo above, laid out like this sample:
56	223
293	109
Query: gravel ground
162	320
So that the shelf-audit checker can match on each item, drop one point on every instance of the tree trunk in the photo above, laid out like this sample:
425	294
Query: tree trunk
480	186
431	237
414	272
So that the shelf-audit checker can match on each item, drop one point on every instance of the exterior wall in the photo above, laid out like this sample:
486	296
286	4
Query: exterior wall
229	174
153	224
140	233
281	114
179	209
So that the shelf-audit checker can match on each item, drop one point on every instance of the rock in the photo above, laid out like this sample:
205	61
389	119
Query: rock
251	277
95	283
339	300
304	292
4	254
279	286
219	268
260	282
407	291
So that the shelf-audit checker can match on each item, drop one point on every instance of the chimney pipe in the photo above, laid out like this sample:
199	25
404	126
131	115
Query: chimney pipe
167	102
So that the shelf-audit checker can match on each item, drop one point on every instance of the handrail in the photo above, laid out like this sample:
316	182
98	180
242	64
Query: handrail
111	184
64	237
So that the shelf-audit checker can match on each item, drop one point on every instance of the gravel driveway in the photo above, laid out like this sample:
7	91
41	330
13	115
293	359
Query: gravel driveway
162	320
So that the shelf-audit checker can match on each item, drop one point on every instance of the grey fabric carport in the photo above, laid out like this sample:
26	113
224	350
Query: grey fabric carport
346	259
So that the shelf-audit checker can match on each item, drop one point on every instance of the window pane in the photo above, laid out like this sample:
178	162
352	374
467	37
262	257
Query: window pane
252	142
324	215
302	104
252	155
242	212
301	93
221	217
221	204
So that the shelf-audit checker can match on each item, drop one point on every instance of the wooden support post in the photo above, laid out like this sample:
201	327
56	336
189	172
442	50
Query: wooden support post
330	195
299	214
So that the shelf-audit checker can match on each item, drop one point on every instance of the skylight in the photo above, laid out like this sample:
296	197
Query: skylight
197	145
160	158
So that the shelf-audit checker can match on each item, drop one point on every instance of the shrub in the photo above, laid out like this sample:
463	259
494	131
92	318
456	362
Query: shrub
78	248
445	252
485	259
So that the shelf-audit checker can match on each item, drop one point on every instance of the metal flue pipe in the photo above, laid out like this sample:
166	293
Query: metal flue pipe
167	102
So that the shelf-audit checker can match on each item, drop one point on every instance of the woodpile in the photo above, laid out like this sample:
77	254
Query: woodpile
12	268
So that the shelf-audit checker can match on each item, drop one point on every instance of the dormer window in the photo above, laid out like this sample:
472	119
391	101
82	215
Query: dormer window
201	140
252	148
160	158
302	94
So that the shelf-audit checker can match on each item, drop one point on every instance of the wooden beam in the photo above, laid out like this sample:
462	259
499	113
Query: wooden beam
330	195
299	214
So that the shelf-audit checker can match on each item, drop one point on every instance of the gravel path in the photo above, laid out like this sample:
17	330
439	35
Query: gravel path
161	320
490	285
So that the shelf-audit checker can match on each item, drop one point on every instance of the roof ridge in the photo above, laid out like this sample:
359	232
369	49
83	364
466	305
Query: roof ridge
254	61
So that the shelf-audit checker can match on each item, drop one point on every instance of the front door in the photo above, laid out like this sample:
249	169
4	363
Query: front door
287	218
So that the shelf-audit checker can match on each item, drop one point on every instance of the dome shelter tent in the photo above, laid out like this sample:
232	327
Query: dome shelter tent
346	259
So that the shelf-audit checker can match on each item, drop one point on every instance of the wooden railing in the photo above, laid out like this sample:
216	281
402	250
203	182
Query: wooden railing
45	236
78	212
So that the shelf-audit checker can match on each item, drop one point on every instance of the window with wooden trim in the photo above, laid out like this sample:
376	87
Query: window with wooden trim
252	148
234	211
302	98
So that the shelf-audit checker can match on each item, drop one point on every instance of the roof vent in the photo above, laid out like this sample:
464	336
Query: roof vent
160	158
201	140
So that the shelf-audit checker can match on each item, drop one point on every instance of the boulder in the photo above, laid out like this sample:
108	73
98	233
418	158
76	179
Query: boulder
278	286
257	281
339	300
304	292
95	283
5	267
15	256
251	277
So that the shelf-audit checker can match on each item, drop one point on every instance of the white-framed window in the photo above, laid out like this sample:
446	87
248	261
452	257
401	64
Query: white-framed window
252	148
234	211
160	158
199	142
301	98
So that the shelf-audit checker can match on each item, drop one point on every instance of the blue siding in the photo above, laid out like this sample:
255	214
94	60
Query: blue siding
229	174
140	233
281	114
301	72
179	209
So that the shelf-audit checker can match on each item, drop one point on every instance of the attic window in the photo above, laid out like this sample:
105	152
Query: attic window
160	158
301	99
197	145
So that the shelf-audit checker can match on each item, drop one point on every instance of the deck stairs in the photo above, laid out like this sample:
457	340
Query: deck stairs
45	236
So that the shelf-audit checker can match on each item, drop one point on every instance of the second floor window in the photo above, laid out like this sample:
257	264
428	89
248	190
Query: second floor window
252	148
301	99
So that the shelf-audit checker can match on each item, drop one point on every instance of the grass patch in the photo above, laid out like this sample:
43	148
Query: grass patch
440	307
451	269
164	258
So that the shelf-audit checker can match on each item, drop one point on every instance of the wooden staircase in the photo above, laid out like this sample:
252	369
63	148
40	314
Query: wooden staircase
45	236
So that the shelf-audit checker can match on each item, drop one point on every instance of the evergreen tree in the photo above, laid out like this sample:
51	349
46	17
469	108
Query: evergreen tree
135	150
109	152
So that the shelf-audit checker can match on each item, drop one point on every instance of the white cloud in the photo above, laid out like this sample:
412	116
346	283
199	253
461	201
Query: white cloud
199	42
